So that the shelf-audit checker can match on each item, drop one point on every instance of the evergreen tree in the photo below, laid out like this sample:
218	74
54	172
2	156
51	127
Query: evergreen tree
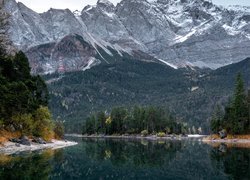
237	117
24	98
240	109
121	120
248	102
101	119
216	121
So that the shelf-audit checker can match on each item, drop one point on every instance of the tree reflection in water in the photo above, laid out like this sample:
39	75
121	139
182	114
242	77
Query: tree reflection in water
29	166
127	159
235	162
142	154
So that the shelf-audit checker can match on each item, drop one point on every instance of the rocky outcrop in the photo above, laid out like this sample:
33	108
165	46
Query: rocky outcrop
5	42
39	140
71	53
24	140
223	134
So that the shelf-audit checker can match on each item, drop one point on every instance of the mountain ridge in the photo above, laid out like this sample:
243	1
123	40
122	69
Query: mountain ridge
176	32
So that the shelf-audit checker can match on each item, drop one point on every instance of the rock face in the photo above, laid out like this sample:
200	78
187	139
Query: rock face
69	54
180	32
5	41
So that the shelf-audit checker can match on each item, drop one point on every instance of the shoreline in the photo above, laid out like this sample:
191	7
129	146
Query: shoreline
213	138
10	148
229	141
203	138
150	137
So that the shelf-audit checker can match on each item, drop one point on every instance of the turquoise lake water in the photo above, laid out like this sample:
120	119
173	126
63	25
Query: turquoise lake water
130	159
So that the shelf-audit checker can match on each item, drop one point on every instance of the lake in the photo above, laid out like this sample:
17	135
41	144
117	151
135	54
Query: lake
130	159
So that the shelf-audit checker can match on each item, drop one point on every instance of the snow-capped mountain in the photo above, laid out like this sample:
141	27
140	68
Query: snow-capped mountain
177	32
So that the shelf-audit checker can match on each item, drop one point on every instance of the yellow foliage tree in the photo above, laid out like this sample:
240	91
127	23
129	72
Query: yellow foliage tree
108	121
43	125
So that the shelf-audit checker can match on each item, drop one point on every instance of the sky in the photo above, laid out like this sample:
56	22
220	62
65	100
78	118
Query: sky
44	5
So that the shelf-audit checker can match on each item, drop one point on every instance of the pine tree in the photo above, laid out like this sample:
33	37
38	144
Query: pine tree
248	102
101	119
239	107
216	121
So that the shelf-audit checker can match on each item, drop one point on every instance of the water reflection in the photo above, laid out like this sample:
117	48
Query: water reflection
28	166
126	159
235	162
137	153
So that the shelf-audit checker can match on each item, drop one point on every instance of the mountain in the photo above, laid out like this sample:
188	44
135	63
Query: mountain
172	32
5	41
136	53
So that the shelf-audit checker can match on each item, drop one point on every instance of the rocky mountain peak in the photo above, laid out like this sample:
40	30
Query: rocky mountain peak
105	5
196	32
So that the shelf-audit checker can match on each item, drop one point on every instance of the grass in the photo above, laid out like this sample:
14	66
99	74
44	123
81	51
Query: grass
6	135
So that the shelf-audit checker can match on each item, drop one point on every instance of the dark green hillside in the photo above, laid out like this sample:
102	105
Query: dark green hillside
189	94
125	83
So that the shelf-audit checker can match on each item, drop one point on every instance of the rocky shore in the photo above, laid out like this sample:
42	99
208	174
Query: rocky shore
9	147
227	140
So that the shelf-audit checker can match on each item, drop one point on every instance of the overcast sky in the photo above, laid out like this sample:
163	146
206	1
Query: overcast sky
44	5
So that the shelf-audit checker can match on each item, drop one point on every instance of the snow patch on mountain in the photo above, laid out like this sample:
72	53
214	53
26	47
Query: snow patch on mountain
92	62
169	64
175	31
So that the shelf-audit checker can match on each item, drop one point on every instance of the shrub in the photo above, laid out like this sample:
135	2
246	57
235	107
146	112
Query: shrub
43	126
108	121
161	134
23	123
168	130
154	133
144	133
59	129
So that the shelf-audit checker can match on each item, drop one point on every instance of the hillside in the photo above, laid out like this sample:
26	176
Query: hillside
189	93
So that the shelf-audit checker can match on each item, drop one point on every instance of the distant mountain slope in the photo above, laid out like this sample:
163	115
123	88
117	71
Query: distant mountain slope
189	93
179	32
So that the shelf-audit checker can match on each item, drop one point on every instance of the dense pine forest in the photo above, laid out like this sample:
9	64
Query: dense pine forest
235	118
144	120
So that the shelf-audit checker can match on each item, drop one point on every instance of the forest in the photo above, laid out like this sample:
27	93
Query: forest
136	120
235	118
24	99
74	95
